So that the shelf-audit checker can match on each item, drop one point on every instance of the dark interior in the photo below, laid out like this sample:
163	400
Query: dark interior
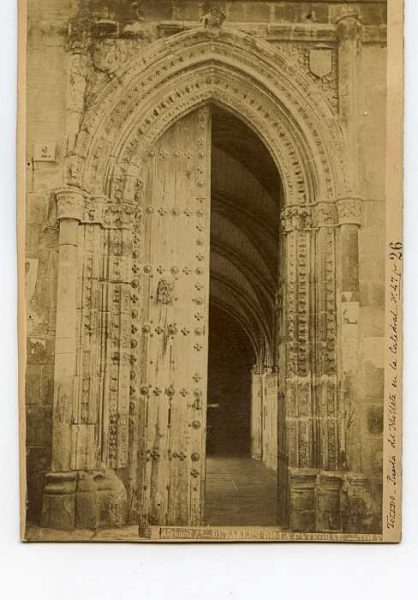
229	387
245	199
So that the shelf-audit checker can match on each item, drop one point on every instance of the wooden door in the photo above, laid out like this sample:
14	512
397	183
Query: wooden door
173	369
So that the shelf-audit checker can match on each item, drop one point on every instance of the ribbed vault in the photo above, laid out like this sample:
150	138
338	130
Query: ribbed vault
246	197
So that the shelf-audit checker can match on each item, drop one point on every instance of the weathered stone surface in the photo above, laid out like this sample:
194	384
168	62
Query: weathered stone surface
58	511
111	500
360	505
84	500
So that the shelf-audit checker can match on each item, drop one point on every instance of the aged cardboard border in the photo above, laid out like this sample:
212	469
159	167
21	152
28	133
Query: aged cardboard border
21	203
392	435
392	438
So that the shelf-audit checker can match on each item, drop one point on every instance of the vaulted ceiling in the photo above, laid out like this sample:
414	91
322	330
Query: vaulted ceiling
246	196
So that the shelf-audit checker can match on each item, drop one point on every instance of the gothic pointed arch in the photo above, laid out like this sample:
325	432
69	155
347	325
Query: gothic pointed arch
107	196
249	77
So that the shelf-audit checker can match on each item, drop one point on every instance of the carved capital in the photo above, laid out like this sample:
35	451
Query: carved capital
324	215
119	215
94	210
70	204
296	218
350	211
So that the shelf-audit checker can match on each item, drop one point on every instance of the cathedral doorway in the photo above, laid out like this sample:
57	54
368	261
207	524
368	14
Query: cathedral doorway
212	197
217	205
245	199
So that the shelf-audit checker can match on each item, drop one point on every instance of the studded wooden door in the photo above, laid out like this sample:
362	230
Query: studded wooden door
174	353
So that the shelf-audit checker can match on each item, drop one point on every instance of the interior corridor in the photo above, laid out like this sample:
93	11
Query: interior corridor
245	198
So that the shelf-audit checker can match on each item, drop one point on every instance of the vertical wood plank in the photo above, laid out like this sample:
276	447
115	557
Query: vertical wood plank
173	375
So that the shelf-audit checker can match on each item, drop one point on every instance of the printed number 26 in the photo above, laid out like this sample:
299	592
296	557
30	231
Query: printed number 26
397	246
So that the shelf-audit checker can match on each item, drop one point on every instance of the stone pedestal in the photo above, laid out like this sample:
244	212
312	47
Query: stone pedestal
356	505
328	513
331	501
84	500
302	499
58	510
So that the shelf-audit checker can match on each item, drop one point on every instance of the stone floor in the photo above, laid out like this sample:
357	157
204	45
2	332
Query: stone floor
239	492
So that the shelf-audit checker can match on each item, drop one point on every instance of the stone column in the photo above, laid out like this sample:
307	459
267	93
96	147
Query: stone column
299	325
270	416
59	496
349	220
326	409
81	491
349	31
256	412
349	45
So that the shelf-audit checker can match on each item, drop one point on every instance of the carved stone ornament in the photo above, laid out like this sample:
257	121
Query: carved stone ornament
70	204
108	55
74	169
320	62
165	291
120	215
324	214
295	218
350	211
94	210
214	18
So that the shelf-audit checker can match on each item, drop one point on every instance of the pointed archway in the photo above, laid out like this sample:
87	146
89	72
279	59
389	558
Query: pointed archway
95	424
246	194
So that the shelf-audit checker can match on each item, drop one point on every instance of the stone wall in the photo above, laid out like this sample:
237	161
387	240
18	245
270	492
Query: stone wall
241	11
46	110
372	135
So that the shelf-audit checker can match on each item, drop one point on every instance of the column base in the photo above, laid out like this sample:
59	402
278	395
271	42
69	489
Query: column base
302	499
58	509
361	504
84	500
332	502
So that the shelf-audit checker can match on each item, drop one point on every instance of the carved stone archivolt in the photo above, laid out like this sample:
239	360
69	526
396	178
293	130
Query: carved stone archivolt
247	76
113	152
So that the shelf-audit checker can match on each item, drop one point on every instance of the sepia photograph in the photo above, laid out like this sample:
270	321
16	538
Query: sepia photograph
210	270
